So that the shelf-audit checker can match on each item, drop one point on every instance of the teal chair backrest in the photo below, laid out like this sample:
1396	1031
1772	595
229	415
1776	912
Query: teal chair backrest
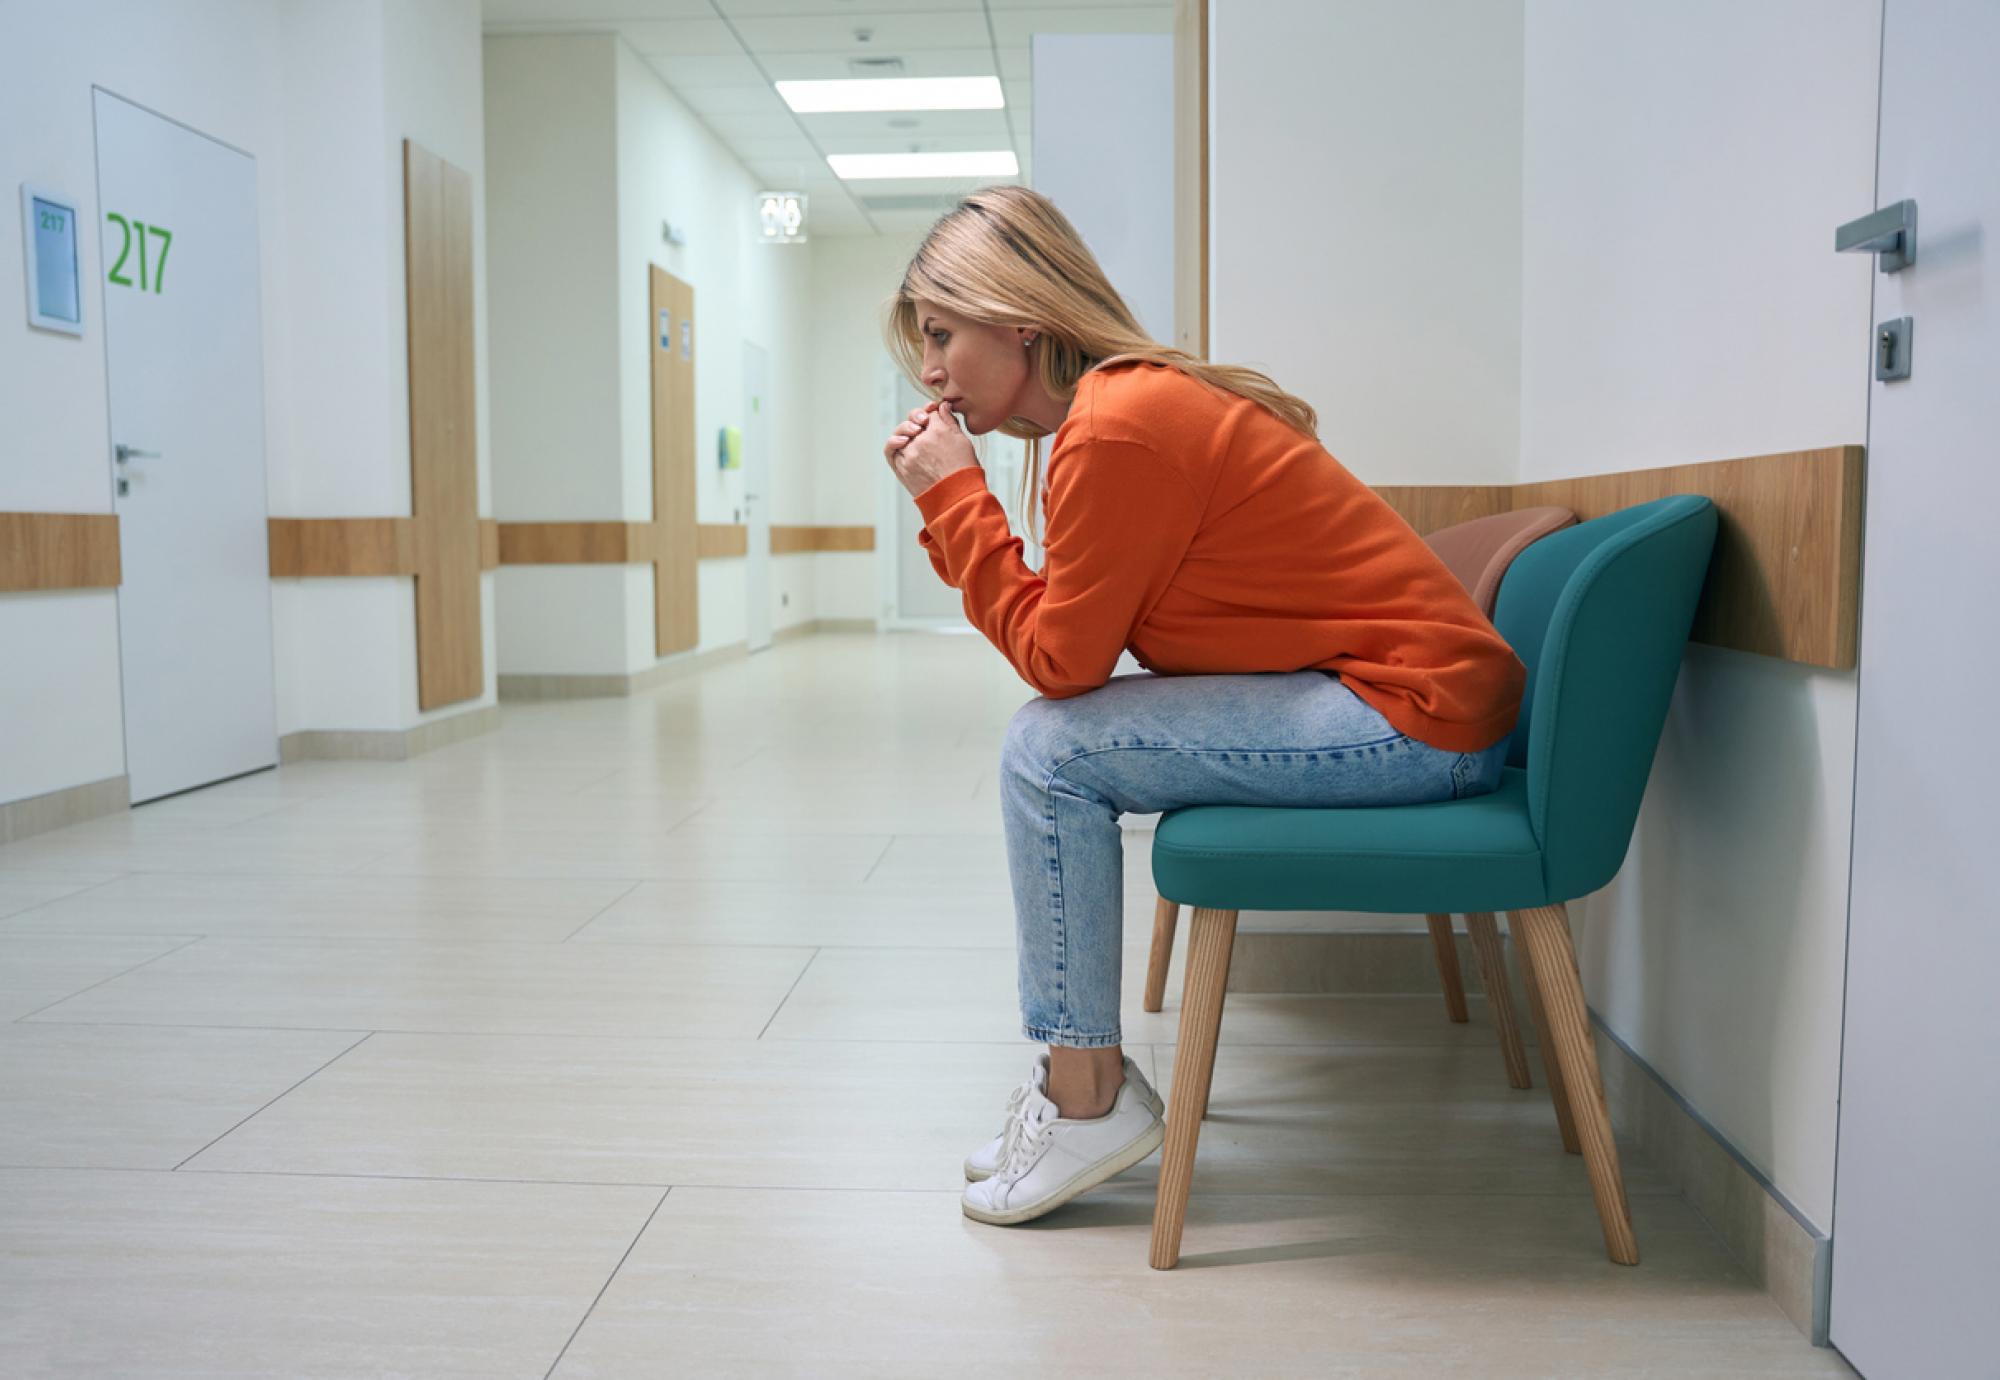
1599	614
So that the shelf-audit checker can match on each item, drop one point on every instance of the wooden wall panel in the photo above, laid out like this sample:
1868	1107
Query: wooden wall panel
575	543
719	541
58	551
1427	507
444	464
790	540
676	539
1786	578
302	547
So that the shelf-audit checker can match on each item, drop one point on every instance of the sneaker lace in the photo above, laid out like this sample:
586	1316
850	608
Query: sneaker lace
1024	1131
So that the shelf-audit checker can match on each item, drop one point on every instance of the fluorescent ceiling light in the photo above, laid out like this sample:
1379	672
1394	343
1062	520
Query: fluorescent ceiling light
866	167
898	93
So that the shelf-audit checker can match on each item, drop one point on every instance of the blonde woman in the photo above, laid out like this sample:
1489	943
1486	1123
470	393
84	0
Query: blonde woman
1305	647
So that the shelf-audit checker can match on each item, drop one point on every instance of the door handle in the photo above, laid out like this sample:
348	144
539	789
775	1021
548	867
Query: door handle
126	454
1890	232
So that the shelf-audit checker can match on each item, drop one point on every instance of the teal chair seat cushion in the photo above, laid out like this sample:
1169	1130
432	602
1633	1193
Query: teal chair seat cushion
1456	855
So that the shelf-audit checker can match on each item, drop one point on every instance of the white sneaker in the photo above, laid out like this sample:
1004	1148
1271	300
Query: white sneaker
1049	1159
982	1163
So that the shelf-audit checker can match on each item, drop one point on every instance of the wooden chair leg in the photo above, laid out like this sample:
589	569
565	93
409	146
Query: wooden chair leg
1211	934
1485	932
1544	932
1165	914
1551	1066
1447	960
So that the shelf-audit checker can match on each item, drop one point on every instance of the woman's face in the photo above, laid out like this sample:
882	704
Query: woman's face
981	370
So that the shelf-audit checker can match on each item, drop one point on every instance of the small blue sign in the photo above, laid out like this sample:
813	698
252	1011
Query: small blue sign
666	330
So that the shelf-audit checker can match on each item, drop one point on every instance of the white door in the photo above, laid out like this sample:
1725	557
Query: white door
757	493
178	238
1917	1186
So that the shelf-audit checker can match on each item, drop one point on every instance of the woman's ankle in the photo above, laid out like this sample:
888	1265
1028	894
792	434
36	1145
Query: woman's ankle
1084	1083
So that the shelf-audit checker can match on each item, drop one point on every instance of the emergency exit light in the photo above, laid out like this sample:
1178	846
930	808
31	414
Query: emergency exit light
781	217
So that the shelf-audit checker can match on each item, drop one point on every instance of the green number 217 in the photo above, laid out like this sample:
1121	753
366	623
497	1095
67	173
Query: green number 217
166	238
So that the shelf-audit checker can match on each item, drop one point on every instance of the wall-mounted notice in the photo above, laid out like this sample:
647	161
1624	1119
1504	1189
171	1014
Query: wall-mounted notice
48	231
666	330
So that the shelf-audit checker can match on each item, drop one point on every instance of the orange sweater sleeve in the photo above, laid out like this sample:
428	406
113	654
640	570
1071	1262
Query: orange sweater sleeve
1117	526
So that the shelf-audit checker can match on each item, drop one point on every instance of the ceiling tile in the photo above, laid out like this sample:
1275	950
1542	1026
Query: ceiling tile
1015	27
736	100
886	144
921	186
914	126
594	11
758	9
798	175
792	148
734	127
682	73
688	38
1016	64
891	34
917	62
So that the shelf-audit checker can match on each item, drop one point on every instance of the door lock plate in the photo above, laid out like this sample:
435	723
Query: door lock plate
1892	349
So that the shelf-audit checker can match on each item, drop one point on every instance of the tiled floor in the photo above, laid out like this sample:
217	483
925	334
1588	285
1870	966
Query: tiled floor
644	1038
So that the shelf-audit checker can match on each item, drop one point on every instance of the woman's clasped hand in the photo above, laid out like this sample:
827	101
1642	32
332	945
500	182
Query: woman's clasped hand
929	445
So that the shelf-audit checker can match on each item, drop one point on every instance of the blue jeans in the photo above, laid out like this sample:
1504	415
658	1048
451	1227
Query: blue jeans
1147	743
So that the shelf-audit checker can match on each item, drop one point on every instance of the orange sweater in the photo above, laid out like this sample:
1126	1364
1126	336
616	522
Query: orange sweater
1197	528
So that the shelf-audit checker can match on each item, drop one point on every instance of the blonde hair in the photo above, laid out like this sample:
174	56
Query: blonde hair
1006	256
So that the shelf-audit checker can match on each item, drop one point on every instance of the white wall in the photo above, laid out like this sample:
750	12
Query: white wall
671	167
558	447
305	88
208	65
369	73
1717	954
853	280
1365	235
1514	243
591	154
551	114
1118	192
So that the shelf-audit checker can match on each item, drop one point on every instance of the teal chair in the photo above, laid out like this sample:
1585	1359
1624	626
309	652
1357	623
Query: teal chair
1599	614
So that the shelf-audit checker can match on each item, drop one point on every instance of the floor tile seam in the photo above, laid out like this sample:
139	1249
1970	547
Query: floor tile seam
886	1041
608	1279
14	916
276	1100
807	967
601	912
27	1016
1578	1195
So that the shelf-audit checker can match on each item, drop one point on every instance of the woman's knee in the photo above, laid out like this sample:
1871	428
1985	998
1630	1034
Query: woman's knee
1034	737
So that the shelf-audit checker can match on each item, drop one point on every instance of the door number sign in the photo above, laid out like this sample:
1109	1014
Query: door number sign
137	231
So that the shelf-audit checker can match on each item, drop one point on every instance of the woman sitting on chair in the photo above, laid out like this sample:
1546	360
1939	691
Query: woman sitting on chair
1306	648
